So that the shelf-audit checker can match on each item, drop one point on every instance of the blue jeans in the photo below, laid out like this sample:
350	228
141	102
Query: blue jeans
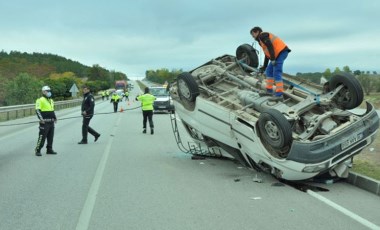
275	72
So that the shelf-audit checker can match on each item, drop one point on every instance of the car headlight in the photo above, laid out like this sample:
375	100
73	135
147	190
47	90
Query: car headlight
315	168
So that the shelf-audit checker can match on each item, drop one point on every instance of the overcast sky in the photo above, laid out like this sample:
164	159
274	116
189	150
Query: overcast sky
135	36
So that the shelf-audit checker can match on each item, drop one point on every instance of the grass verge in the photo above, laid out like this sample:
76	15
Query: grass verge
367	168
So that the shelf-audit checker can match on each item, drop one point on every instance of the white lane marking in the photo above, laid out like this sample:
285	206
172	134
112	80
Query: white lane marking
345	211
88	207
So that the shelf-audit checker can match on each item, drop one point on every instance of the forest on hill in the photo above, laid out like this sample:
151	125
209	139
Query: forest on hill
23	74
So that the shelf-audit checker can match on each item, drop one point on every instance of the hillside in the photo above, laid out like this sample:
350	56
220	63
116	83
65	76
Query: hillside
23	74
38	65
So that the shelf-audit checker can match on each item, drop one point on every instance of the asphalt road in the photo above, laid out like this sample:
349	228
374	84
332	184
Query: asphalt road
130	180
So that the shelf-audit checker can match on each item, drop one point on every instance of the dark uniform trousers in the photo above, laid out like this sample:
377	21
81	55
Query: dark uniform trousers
148	115
87	129
115	105
46	132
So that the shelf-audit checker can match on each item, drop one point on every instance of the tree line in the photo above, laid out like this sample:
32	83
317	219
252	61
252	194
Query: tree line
23	74
162	75
370	80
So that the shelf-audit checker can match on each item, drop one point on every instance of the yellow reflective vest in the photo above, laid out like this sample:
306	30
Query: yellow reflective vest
44	104
147	101
115	98
45	109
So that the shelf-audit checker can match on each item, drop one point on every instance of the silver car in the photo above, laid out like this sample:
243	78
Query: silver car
311	133
163	100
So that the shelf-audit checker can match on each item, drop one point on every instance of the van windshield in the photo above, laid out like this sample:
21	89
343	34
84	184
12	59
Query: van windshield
159	92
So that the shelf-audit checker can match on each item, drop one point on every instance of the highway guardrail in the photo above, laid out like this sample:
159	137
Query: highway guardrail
19	111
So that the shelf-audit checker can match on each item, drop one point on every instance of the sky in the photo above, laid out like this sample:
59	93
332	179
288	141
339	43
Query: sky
135	36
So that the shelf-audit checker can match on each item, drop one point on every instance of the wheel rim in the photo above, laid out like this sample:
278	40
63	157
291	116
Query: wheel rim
344	96
272	130
245	57
185	91
350	93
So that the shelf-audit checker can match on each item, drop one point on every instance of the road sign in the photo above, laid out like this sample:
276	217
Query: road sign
74	90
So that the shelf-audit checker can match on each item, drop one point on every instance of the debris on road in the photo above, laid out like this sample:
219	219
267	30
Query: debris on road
257	180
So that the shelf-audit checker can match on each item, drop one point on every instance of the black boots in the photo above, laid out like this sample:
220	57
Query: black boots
51	152
151	131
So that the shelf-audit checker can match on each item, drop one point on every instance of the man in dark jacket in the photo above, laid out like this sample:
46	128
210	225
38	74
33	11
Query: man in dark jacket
87	110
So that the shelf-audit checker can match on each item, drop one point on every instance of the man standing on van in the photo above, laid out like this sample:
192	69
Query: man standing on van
276	51
147	100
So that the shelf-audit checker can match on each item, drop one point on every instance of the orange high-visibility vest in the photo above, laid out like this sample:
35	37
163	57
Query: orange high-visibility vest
278	45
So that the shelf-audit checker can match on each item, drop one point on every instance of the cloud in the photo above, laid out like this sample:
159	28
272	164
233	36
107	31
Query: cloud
134	36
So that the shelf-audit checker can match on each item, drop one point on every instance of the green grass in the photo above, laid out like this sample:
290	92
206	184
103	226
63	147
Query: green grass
373	98
368	162
366	168
141	85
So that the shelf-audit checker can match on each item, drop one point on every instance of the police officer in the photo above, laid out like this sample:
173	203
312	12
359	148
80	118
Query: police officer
126	95
115	98
88	105
46	115
147	100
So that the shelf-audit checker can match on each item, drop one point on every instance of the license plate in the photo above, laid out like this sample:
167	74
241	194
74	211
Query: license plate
347	143
162	107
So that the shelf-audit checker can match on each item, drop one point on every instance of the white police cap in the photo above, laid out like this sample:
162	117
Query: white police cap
46	88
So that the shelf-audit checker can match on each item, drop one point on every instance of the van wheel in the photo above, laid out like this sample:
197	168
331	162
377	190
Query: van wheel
351	95
187	90
275	130
248	54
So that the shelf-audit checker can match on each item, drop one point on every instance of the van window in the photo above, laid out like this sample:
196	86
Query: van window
159	92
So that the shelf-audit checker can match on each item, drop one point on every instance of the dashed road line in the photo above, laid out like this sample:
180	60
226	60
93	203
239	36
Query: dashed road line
88	207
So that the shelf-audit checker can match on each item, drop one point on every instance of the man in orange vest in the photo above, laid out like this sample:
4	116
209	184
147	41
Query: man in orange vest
276	51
